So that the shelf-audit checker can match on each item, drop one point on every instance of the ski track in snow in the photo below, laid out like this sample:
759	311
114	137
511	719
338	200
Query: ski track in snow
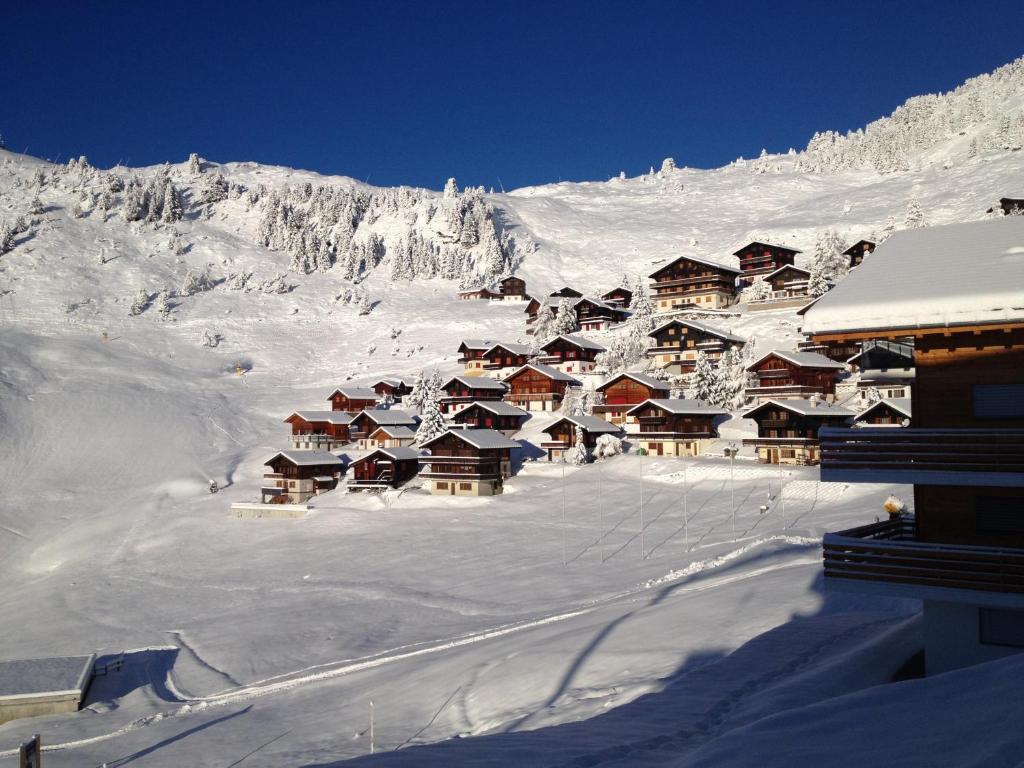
306	676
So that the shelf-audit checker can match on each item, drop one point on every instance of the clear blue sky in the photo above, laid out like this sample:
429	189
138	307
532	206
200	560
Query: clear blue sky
528	92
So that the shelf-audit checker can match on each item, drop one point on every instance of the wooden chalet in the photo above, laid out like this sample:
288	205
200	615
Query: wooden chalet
758	258
390	436
468	462
839	351
597	314
677	342
886	369
387	467
479	294
501	359
353	399
787	287
394	388
689	282
784	375
512	288
674	427
533	307
618	297
319	430
492	414
571	354
895	412
787	430
461	391
364	424
562	435
538	387
624	390
565	292
295	476
856	252
471	353
958	293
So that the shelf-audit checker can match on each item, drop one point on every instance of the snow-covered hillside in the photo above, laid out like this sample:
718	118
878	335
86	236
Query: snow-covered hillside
156	326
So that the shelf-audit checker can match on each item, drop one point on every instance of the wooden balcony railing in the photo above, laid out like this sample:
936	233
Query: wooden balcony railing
889	552
978	457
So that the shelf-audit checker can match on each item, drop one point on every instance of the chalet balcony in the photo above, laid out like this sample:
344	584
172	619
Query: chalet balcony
887	558
556	444
971	457
317	440
464	476
782	391
643	435
777	442
532	396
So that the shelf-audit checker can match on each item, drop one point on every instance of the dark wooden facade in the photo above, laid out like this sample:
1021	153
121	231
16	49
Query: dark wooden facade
477	417
566	292
460	391
882	414
618	297
858	251
677	343
788	281
536	390
455	466
352	403
790	435
620	393
653	420
779	377
505	356
689	281
761	258
512	287
394	389
563	351
562	436
384	468
311	425
366	422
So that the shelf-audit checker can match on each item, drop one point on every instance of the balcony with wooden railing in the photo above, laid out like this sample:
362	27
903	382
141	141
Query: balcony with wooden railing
973	457
887	557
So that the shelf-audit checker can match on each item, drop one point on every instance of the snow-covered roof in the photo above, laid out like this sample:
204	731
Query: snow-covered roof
622	288
702	327
799	359
478	438
599	303
589	423
41	677
355	393
805	408
306	458
789	267
576	341
679	406
497	407
647	381
698	260
477	343
393	381
770	245
515	349
398	454
545	370
399	431
934	277
330	417
480	289
898	404
853	248
477	382
389	418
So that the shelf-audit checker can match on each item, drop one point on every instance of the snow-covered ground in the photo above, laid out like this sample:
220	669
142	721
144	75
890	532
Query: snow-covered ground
640	611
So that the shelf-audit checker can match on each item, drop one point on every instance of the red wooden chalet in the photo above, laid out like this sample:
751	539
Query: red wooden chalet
625	390
295	476
492	414
365	423
562	435
618	297
690	282
461	391
468	462
538	387
759	258
353	399
504	358
512	288
325	430
891	412
392	387
674	427
787	430
784	374
471	353
384	468
571	353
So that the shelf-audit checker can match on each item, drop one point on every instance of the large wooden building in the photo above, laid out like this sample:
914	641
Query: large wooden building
620	297
492	414
366	423
392	387
538	387
677	342
597	314
787	287
462	391
689	282
384	468
468	462
787	430
319	430
562	435
353	399
784	374
624	390
759	258
503	358
295	476
571	354
959	294
471	355
674	427
512	288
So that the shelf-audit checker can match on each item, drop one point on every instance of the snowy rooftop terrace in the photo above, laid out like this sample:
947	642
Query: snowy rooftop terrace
45	677
959	274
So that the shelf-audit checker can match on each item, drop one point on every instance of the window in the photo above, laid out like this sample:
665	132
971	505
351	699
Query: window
442	486
999	514
788	453
465	486
999	401
1001	627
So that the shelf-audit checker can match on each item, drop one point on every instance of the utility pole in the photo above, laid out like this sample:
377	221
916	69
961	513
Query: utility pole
643	549
600	511
371	726
782	494
686	522
564	559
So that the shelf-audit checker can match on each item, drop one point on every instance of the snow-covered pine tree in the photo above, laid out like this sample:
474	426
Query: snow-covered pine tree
6	238
543	326
172	208
704	380
139	305
914	218
607	446
194	166
640	307
451	189
732	379
414	400
758	290
566	321
818	283
432	423
163	304
578	454
571	403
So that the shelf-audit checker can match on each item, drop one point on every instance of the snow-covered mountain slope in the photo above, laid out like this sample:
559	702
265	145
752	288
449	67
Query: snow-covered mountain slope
121	342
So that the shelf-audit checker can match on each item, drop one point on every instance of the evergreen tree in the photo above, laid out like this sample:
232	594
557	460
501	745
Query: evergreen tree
194	166
704	380
578	454
607	446
139	305
451	189
172	209
566	321
914	218
6	238
543	326
758	290
432	424
415	399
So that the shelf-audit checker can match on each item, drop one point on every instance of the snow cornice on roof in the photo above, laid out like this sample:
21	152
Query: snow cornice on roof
804	408
800	359
698	326
786	248
698	260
